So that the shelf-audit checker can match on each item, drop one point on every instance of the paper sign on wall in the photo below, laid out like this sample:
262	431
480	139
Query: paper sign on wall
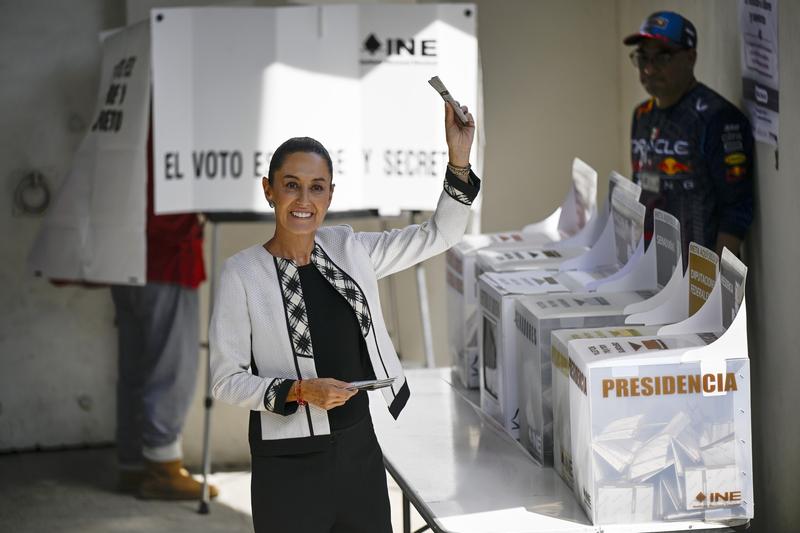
758	20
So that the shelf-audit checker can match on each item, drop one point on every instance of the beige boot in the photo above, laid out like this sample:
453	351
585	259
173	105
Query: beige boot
170	481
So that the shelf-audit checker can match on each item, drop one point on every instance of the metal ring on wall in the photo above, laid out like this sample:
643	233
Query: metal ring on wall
32	195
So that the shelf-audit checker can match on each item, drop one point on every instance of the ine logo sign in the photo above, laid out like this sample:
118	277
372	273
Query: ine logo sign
713	499
376	49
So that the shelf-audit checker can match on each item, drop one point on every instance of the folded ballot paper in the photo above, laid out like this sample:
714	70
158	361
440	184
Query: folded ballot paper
644	275
574	220
669	411
497	353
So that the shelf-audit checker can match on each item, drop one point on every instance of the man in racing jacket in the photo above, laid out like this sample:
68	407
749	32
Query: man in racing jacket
691	150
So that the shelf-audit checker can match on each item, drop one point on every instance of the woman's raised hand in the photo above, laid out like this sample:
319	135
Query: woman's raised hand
459	136
326	393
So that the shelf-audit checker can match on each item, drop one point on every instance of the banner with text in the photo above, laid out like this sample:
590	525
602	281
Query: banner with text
231	84
95	229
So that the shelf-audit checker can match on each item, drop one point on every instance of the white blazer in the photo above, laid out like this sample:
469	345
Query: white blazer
259	335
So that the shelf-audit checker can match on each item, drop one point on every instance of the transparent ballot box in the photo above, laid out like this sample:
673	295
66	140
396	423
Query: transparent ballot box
662	440
660	425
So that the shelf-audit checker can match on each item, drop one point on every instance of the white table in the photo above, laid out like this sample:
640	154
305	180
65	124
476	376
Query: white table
464	474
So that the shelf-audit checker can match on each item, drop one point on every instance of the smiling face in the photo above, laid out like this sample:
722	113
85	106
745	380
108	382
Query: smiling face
301	191
665	72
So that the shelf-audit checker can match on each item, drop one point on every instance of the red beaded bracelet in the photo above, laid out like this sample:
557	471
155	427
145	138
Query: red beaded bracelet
300	400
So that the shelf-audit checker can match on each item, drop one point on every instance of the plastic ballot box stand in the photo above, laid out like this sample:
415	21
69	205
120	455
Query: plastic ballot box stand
574	219
497	353
660	426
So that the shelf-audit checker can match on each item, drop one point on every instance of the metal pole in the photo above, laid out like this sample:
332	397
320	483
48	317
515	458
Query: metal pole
406	514
209	401
424	309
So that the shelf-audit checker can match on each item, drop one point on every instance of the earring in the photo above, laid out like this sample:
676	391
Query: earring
271	204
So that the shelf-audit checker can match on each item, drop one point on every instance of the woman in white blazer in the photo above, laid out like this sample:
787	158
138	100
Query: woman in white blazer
298	318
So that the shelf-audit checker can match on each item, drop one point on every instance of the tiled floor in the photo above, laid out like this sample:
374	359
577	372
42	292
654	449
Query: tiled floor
72	491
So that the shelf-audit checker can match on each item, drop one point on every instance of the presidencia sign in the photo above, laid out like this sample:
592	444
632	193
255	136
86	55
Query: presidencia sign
231	84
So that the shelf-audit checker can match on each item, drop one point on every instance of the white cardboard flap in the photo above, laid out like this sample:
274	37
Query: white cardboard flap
617	180
731	345
674	303
669	305
600	254
594	228
547	227
628	215
731	302
637	274
656	268
580	205
703	272
732	274
619	238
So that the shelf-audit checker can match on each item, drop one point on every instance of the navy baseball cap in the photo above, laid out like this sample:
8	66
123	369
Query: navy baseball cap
667	27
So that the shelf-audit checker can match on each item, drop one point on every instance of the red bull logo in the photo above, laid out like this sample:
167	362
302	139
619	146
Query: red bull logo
735	159
671	166
736	173
644	108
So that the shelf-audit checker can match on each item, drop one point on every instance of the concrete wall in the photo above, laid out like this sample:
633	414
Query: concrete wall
773	296
772	247
57	346
550	94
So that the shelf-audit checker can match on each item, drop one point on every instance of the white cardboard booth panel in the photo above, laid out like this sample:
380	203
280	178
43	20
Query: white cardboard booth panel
94	229
231	84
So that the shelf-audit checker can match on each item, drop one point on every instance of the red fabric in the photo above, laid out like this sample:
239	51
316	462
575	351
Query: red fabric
174	242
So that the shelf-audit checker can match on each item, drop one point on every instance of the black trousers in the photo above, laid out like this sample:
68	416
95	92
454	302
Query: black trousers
339	490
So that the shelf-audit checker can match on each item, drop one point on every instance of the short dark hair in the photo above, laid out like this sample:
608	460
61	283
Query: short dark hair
293	145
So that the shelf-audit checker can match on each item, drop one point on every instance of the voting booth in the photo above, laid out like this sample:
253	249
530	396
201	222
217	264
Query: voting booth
660	425
230	84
